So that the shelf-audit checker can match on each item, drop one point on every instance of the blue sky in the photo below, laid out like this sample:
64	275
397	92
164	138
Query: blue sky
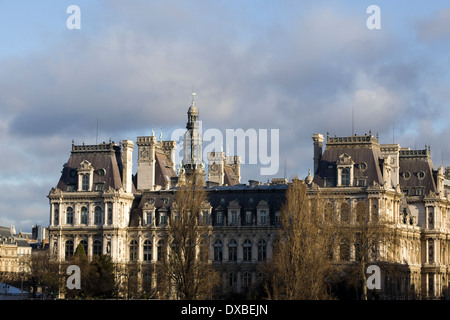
297	66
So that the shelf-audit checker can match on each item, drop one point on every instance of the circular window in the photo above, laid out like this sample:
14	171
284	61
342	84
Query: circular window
421	175
362	166
406	175
73	173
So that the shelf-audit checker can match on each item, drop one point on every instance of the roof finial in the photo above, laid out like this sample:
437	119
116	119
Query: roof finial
153	132
193	98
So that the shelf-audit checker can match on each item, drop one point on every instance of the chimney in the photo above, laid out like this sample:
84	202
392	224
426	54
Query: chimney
127	161
318	144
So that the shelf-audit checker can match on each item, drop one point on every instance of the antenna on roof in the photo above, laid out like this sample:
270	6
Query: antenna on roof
353	119
96	137
393	136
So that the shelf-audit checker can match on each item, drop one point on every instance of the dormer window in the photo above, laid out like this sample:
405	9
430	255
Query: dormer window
85	182
85	176
345	166
345	177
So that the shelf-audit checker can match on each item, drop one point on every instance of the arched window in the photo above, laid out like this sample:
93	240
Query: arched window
133	250
68	249
84	243
98	214
232	279
247	252
328	212
160	250
148	250
345	214
262	250
247	279
97	247
360	212
69	215
84	215
232	250
218	249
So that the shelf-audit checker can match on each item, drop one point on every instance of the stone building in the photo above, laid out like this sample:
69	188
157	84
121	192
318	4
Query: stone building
99	203
401	185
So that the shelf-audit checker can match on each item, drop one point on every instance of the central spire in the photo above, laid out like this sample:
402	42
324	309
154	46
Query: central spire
192	155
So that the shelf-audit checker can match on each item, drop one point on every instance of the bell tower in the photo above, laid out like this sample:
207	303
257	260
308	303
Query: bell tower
192	142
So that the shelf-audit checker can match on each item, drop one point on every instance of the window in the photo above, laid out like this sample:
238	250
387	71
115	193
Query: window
219	218
277	217
85	182
345	177
98	215
110	217
361	182
262	250
69	215
218	250
232	278
147	250
262	217
344	251
247	252
247	279
133	250
56	214
345	214
148	218
99	187
97	247
248	217
162	218
234	217
232	250
84	243
69	249
160	250
84	215
421	175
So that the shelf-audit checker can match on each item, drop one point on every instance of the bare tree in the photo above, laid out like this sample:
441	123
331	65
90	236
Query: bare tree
189	269
370	236
301	265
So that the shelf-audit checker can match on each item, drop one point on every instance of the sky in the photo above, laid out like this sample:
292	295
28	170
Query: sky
299	67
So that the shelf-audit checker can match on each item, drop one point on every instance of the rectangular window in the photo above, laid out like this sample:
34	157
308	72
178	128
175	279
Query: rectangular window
248	217
234	217
219	218
85	182
263	217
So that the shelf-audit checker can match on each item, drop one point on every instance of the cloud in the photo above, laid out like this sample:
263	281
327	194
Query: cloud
293	66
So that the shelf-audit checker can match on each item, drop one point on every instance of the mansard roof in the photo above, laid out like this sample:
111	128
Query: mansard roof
105	160
416	170
364	152
219	197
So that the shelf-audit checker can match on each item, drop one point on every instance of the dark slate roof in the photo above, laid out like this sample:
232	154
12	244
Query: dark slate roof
104	156
163	172
411	163
230	178
361	149
246	196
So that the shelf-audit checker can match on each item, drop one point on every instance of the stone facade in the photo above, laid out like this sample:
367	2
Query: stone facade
99	203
